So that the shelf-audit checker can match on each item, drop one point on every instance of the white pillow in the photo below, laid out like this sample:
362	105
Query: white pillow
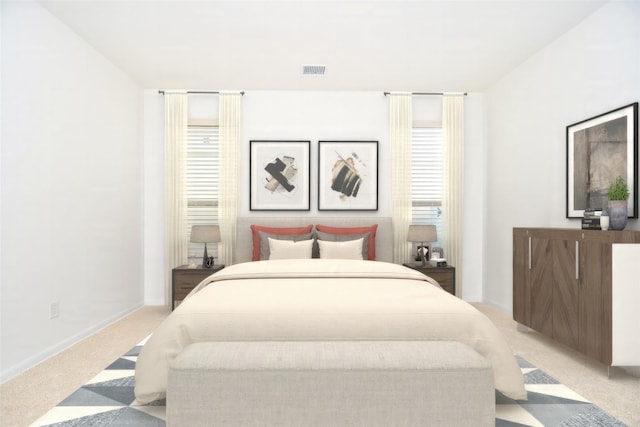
287	249
351	249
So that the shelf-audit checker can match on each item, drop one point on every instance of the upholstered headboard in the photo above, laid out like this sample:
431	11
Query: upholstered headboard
384	234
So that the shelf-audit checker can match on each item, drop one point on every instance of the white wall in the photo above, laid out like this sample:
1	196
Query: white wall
316	116
71	188
592	69
153	198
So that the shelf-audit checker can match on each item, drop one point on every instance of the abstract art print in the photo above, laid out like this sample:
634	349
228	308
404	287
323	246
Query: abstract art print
600	149
348	175
279	175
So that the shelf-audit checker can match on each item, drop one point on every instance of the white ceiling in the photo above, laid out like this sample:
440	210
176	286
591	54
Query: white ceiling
420	46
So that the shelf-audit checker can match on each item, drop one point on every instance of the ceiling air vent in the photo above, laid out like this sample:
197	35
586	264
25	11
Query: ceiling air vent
314	70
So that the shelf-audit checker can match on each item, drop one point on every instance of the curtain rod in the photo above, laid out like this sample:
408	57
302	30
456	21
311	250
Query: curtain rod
199	92
430	93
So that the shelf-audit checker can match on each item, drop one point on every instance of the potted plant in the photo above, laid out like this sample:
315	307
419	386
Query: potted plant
618	196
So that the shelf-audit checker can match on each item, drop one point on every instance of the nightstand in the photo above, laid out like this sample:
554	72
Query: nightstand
445	276
184	279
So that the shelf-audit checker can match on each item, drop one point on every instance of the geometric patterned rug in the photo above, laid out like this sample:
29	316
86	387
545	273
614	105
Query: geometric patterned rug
107	401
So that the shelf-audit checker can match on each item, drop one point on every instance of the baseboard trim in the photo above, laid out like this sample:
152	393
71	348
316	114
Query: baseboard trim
500	307
156	302
49	352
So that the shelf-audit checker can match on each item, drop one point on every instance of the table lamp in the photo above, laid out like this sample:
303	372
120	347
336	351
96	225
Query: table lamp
205	234
422	234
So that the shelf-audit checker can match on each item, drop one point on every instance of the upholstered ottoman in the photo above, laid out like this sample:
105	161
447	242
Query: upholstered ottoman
337	383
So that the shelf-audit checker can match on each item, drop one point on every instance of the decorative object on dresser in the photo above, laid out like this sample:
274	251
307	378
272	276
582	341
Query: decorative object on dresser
580	287
618	197
348	175
592	219
598	150
445	276
205	234
423	234
279	175
184	279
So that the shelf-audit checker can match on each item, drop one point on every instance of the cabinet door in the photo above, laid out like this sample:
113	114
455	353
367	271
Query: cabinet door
595	300
521	286
565	292
541	285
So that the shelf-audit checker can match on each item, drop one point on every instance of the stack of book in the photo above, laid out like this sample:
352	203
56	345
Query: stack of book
591	219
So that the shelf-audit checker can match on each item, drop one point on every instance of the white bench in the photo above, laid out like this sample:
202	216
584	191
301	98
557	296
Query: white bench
337	383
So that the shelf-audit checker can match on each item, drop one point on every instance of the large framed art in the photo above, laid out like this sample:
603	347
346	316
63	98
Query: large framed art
600	149
348	175
279	175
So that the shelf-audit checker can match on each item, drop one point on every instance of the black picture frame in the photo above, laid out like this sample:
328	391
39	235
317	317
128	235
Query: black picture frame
599	149
348	175
279	175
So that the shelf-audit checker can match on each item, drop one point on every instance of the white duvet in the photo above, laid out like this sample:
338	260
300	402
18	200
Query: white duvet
321	300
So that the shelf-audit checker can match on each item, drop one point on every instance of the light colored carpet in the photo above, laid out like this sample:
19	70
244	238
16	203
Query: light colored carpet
618	394
58	377
108	401
31	394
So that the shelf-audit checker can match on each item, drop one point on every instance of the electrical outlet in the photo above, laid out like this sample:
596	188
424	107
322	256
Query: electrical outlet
54	309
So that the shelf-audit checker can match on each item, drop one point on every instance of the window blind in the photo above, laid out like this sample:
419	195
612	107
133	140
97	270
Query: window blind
203	167
427	175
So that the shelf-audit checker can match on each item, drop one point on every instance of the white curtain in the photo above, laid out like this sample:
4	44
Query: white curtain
400	123
453	134
175	215
230	119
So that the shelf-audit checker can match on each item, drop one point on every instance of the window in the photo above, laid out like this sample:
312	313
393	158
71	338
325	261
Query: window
427	173
202	182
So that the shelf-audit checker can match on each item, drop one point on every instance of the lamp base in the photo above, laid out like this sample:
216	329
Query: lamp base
205	257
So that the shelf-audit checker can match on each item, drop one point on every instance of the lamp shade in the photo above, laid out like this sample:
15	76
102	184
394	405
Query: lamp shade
205	234
422	233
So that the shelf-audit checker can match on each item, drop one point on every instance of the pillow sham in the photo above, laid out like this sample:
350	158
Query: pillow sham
371	246
264	240
328	237
350	249
286	249
275	230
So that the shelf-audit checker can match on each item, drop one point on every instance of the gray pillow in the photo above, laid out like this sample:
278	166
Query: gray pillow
264	241
342	238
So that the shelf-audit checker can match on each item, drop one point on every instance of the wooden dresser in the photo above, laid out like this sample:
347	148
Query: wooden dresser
581	288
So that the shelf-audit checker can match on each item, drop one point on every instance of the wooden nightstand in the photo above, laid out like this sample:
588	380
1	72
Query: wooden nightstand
184	279
445	276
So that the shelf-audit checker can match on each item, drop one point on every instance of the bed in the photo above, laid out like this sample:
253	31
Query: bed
321	300
367	298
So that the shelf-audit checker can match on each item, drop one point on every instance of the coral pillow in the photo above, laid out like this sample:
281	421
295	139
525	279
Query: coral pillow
273	230
371	250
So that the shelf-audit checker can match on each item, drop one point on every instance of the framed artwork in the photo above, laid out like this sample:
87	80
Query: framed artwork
423	251
600	149
437	252
279	175
348	175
